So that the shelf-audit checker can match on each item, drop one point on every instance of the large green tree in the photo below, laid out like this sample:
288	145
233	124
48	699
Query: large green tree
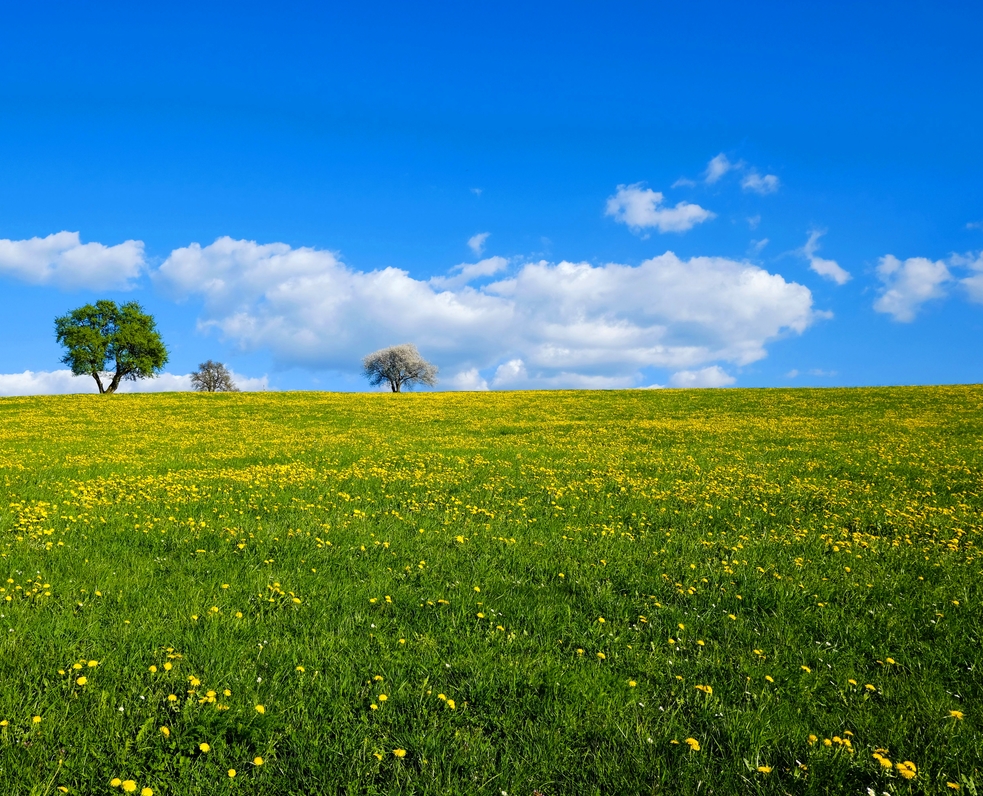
102	337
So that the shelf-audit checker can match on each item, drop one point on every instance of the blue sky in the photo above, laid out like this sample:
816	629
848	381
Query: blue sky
686	194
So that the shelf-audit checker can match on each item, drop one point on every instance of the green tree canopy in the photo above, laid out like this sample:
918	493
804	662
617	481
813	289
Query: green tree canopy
103	336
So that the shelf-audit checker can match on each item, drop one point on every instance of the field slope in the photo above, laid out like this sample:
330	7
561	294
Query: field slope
569	592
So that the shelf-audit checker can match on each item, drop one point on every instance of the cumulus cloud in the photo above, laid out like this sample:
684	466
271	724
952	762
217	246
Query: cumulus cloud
641	208
62	382
829	269
548	324
467	272
907	284
718	167
755	183
477	242
713	376
63	261
972	284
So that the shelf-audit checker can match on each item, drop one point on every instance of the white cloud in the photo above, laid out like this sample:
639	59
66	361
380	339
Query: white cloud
477	191
757	246
718	167
828	269
62	382
792	374
552	324
713	376
469	380
477	243
62	260
754	221
972	284
683	182
763	185
908	284
468	272
640	208
514	375
974	225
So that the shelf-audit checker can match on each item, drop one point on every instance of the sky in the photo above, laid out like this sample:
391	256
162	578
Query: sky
537	195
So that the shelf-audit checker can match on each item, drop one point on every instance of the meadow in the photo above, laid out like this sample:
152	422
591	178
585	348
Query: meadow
733	591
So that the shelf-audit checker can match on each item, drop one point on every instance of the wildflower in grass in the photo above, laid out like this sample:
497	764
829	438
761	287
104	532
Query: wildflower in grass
708	690
168	666
115	782
383	697
953	785
632	683
399	753
891	661
694	744
601	655
764	769
769	678
257	761
451	704
205	747
152	670
377	755
869	687
580	651
600	619
260	709
36	720
373	706
232	773
146	792
165	731
806	669
956	714
442	696
4	723
93	664
480	615
172	697
129	786
82	681
812	739
885	763
907	769
300	669
731	616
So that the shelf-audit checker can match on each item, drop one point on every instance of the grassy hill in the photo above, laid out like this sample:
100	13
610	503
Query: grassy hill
764	591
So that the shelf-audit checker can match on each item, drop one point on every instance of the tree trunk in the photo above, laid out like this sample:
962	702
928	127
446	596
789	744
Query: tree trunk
95	375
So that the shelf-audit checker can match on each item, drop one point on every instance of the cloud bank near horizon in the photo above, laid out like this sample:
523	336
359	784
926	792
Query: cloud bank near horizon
546	324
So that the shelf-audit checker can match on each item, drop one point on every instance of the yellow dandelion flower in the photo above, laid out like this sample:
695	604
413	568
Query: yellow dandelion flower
260	709
373	706
232	773
204	747
764	769
601	619
82	680
632	683
383	697
806	669
891	661
165	731
377	755
694	744
257	761
953	785
168	666
36	720
93	664
451	705
300	669
601	655
129	786
152	669
442	696
480	615
172	697
907	769
399	753
146	792
115	782
956	714
769	678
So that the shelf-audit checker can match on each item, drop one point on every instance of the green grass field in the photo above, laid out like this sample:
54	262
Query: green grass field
765	591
